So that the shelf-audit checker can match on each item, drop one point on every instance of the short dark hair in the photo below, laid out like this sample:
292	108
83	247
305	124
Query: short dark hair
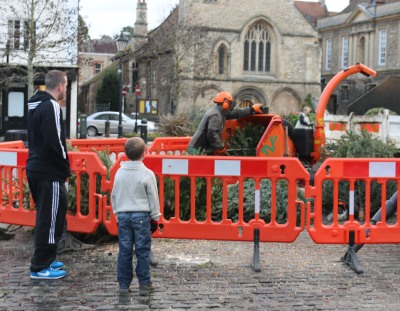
54	78
134	148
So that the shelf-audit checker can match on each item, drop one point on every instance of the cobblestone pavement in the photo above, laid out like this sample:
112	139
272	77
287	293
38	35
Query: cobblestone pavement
203	275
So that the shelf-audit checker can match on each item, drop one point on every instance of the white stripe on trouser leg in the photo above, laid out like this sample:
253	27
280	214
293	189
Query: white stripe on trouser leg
351	202
257	201
54	210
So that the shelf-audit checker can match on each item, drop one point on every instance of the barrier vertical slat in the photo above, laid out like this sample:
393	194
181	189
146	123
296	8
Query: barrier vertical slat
367	211
224	201
257	207
240	205
177	200
273	201
351	201
335	202
208	199
162	194
192	199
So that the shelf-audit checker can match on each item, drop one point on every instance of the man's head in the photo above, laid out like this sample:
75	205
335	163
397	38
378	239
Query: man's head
56	84
224	99
135	148
307	109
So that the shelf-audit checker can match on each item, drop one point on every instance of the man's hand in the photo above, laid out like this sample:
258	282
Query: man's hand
153	225
221	152
257	108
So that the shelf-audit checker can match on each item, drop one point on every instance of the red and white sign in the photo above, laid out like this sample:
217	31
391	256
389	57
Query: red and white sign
137	90
124	91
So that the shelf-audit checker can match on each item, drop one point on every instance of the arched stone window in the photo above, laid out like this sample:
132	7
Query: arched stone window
257	49
222	60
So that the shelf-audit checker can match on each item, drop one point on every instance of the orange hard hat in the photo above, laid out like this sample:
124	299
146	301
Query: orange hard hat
222	97
225	99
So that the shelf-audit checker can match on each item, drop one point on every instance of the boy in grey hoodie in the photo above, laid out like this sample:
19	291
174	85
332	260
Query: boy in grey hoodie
136	205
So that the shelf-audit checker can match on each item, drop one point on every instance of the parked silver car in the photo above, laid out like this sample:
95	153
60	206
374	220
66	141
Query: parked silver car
96	123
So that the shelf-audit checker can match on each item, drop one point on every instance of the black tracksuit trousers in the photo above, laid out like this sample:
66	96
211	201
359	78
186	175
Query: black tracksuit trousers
51	201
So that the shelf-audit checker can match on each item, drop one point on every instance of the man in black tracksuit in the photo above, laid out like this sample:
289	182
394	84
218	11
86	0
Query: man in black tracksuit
47	170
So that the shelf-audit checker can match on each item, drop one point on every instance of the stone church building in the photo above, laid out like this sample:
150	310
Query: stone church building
263	51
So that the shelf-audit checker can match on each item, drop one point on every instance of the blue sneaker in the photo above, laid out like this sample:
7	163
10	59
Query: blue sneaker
48	274
57	265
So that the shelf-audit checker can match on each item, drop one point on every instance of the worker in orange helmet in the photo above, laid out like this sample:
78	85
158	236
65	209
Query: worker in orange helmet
208	136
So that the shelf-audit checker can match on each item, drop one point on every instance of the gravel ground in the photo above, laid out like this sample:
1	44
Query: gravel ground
204	275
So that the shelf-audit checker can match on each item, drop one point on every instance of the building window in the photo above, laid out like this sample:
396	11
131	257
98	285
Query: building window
18	34
345	51
382	47
257	49
345	92
97	68
328	54
222	60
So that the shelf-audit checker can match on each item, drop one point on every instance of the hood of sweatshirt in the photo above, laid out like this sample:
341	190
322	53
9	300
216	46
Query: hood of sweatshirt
37	98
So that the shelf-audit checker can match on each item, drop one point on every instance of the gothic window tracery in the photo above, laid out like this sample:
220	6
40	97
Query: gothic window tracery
257	49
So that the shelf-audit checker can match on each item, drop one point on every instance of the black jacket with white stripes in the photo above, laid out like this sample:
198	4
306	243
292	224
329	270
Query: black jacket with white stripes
48	157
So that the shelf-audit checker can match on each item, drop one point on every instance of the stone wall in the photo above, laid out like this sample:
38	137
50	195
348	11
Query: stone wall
295	54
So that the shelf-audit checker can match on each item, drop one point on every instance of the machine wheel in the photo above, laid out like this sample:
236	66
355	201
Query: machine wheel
91	131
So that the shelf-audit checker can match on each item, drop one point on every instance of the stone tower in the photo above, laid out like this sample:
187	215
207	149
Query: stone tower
141	19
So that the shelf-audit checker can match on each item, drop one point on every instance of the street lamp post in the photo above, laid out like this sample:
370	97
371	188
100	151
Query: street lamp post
121	45
137	93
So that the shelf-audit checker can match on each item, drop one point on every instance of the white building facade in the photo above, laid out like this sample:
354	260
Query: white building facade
33	40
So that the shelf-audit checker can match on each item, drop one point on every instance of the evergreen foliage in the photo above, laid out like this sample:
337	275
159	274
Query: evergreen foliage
109	89
245	140
358	145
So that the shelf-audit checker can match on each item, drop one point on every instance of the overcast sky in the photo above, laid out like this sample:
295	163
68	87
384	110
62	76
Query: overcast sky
108	17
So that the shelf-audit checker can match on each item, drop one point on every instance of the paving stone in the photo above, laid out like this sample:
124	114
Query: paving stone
207	275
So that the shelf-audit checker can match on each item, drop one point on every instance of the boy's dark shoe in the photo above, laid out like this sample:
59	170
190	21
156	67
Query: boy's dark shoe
145	289
124	290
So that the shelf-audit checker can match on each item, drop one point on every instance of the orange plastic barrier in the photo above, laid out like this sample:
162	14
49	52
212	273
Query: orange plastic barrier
169	145
17	206
89	207
225	172
18	144
112	145
194	176
357	175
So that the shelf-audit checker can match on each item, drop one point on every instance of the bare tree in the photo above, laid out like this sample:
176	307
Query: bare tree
37	35
180	50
